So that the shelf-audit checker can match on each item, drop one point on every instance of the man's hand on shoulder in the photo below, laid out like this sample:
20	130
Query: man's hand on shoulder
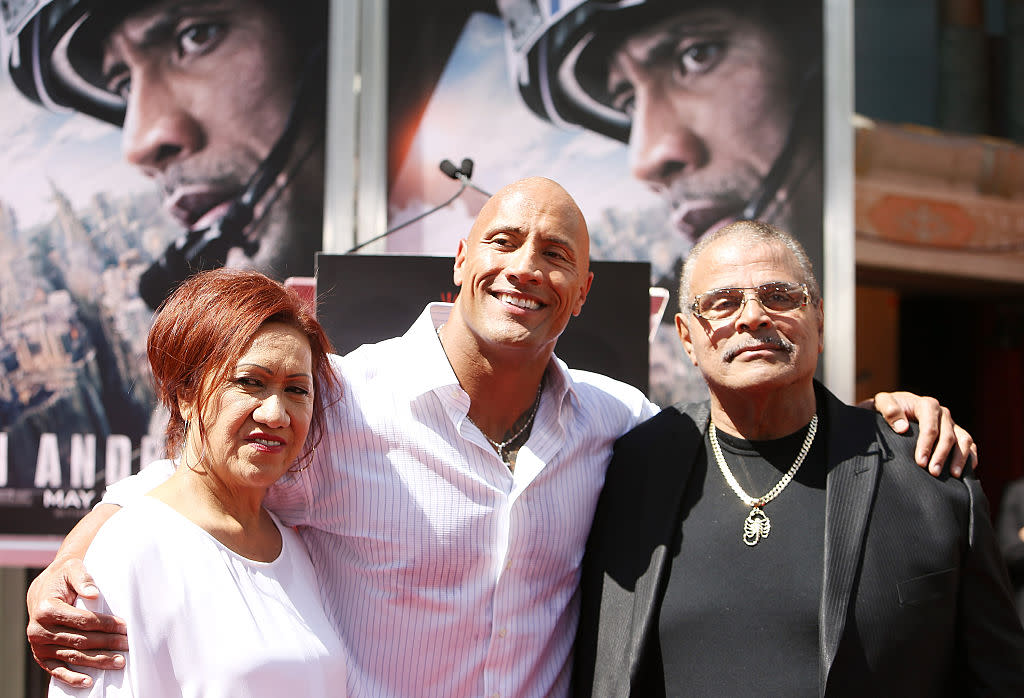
940	437
59	632
62	634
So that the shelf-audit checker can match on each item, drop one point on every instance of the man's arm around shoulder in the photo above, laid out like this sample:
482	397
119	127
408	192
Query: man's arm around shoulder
61	633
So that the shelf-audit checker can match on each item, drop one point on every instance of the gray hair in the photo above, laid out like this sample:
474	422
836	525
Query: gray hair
753	232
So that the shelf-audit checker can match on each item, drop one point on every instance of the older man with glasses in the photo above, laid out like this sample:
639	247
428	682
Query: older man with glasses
776	538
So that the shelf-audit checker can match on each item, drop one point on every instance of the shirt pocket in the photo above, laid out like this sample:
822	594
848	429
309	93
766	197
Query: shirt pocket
928	589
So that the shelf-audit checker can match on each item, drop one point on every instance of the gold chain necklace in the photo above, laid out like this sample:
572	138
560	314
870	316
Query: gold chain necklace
757	524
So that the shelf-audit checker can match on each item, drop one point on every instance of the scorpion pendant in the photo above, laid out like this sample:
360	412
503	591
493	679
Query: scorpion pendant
756	526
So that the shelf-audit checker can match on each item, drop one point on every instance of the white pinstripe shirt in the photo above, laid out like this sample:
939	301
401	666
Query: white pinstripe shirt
446	574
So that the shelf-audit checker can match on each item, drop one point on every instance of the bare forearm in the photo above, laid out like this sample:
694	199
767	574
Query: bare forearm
77	542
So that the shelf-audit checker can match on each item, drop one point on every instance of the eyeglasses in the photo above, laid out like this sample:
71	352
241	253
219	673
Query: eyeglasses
724	303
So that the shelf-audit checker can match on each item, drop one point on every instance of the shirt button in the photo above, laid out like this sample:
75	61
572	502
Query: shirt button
503	632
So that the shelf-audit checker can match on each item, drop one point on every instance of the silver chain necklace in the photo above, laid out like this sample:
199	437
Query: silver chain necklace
500	446
757	525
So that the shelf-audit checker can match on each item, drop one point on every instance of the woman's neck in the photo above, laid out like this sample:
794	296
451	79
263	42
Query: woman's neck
236	519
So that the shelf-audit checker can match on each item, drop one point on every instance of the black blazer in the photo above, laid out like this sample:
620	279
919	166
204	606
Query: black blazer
1011	519
915	598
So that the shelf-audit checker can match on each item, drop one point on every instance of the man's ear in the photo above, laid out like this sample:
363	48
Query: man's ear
584	290
683	329
821	325
460	261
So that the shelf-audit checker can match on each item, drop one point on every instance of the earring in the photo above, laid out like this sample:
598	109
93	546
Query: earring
309	462
184	460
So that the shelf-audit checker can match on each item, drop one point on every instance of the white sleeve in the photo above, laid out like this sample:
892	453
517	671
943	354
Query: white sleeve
290	497
132	488
649	410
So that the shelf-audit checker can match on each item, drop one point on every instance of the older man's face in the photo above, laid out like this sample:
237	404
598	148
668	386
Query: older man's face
757	349
208	87
711	96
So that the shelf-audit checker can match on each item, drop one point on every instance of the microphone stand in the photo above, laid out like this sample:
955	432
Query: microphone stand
449	168
412	220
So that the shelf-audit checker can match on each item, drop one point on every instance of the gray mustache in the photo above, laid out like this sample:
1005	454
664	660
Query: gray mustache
777	342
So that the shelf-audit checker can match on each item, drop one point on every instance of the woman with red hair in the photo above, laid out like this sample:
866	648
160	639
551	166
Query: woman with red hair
219	598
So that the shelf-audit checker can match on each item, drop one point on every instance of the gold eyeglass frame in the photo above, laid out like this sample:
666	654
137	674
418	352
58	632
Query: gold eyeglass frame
695	305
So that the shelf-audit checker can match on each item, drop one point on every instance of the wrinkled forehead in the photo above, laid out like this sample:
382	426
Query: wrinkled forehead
737	261
134	23
644	32
650	30
278	339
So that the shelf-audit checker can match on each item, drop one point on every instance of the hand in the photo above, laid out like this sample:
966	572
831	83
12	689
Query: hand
939	438
60	634
1020	534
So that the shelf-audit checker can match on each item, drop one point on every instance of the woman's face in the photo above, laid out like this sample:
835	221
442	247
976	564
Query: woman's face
257	420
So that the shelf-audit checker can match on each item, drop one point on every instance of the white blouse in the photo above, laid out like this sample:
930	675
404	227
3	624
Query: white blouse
204	621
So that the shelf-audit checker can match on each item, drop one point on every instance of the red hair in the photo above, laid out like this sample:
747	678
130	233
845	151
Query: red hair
201	331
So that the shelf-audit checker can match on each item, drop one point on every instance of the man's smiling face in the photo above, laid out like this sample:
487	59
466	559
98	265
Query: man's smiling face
524	269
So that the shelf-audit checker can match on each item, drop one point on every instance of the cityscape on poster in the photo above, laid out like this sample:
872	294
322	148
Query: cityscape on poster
77	228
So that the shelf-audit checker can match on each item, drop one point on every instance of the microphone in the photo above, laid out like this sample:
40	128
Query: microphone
462	174
459	174
196	250
449	168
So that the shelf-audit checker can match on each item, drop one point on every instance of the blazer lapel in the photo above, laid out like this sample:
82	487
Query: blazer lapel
854	461
663	533
632	592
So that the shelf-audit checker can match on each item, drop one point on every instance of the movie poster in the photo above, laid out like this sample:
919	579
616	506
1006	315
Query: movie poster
663	121
102	214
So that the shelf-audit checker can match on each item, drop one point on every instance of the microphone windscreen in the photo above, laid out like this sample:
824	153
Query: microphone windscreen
449	168
467	167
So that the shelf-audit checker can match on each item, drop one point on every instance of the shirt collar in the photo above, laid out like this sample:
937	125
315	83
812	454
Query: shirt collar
561	384
430	370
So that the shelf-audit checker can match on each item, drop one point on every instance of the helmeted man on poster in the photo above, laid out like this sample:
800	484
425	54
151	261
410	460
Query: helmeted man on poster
221	104
719	102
